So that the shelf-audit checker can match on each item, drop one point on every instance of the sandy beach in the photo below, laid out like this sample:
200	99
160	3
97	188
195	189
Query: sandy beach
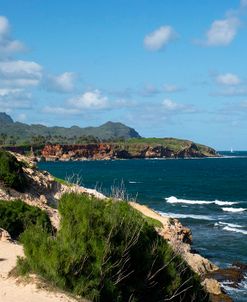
12	289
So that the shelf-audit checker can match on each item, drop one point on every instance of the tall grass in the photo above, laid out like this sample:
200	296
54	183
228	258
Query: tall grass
105	251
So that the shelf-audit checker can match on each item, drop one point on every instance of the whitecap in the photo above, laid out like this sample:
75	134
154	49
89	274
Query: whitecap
234	210
134	182
231	225
183	216
225	203
174	199
227	228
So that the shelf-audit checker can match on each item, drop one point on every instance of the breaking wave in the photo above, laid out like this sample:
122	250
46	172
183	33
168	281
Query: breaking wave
227	228
174	199
192	216
234	210
231	225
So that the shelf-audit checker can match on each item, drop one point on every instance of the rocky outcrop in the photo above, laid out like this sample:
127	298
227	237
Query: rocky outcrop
42	190
233	275
124	151
5	236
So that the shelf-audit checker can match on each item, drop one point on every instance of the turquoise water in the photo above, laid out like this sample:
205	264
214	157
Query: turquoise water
208	195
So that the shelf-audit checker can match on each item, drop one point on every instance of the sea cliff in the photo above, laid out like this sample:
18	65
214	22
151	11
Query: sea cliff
107	151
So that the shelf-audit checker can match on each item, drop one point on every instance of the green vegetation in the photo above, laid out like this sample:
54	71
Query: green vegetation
16	216
63	182
11	173
153	222
20	134
123	138
170	143
106	251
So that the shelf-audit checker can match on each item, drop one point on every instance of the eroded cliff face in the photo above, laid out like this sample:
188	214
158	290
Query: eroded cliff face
122	151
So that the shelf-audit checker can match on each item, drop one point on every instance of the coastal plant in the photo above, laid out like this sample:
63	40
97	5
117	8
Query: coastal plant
63	182
106	251
74	178
16	216
11	172
118	191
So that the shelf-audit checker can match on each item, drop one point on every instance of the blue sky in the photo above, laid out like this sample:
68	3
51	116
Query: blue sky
168	68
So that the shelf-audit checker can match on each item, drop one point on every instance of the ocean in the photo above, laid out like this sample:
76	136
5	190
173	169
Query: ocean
208	195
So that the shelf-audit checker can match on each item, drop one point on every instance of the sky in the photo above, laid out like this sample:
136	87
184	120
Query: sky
168	68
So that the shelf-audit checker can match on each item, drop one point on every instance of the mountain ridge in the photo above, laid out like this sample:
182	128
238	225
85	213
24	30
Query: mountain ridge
108	130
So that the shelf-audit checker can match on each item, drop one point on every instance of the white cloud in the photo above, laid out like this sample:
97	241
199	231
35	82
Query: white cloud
5	91
90	100
231	91
61	110
149	90
173	107
63	83
22	117
222	32
159	38
4	26
228	79
170	88
8	46
20	73
14	99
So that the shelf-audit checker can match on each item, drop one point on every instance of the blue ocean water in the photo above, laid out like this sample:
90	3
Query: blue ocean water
208	195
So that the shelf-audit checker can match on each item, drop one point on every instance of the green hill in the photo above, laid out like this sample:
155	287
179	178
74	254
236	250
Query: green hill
16	133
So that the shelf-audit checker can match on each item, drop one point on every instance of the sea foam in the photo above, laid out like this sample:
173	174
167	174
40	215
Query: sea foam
192	216
174	199
234	210
231	225
227	228
134	182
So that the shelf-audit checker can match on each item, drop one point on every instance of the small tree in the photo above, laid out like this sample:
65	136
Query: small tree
11	172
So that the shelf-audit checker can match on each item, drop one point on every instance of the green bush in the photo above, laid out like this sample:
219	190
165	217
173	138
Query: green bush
106	251
16	216
11	172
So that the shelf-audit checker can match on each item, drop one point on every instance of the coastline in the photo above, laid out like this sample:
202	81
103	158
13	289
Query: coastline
178	236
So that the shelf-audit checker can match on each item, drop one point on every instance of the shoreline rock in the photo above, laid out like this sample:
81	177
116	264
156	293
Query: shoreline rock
105	151
5	236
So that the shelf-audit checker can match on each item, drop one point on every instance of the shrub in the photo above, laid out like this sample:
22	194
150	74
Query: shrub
16	216
106	251
11	172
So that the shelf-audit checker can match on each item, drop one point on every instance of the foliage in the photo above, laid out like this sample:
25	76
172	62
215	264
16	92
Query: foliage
153	222
63	182
11	173
171	143
105	251
16	216
18	134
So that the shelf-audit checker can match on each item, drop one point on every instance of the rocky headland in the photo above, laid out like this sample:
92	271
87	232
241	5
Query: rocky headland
128	150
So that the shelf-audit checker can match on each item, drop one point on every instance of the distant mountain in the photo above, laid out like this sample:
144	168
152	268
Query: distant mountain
5	119
21	132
